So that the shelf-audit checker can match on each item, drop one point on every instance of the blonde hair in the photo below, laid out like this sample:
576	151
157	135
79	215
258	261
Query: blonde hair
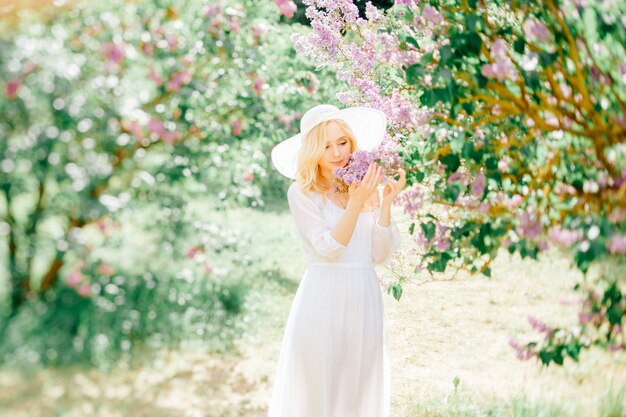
313	147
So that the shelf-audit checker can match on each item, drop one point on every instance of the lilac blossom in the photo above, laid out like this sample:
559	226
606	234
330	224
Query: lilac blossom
539	326
565	237
617	244
478	188
500	70
432	15
286	7
530	226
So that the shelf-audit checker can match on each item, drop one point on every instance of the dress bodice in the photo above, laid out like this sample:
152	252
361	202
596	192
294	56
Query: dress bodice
316	216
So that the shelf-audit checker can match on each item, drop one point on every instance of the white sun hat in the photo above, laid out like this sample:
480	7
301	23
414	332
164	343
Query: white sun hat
368	126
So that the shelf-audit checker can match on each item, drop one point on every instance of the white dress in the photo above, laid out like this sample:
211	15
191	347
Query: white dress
334	360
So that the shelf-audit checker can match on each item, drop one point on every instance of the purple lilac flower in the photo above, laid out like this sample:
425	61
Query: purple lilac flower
539	326
535	30
565	237
478	188
617	244
359	162
530	226
432	15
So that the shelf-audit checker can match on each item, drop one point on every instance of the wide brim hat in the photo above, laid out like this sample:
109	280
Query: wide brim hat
368	125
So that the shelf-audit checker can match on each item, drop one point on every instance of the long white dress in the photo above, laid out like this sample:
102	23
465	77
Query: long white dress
334	360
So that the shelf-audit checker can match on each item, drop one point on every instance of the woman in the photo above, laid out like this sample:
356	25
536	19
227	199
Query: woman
334	360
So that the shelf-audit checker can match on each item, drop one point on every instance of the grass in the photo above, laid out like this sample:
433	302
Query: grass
440	330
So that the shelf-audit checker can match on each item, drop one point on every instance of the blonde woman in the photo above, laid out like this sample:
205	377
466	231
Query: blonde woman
334	359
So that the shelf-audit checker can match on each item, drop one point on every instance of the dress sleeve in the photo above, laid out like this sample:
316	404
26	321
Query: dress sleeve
312	226
386	241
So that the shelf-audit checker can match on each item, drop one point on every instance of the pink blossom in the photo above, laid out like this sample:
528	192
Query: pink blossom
530	226
208	268
478	188
170	136
514	202
133	127
74	278
565	237
258	30
432	15
114	54
148	48
286	7
234	24
617	244
538	325
154	77
499	70
345	97
248	176
193	251
313	83
212	10
498	49
484	207
84	290
172	42
236	125
443	244
535	30
178	79
12	87
105	269
258	85
503	165
156	126
372	13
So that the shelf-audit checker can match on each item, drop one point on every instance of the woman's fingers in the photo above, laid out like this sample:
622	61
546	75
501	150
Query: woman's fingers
368	173
373	174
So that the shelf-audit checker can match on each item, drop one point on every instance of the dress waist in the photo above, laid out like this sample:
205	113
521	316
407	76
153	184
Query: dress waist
343	264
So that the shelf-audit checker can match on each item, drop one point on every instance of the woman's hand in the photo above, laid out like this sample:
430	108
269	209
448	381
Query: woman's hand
363	191
393	188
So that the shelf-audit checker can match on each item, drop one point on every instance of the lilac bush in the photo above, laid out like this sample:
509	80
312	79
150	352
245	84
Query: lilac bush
510	121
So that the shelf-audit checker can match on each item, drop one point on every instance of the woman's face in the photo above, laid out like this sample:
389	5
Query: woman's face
337	149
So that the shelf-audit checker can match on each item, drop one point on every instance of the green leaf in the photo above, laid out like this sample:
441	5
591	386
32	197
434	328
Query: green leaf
414	74
545	357
471	21
395	289
439	264
451	161
547	58
474	42
412	41
412	228
426	59
446	54
429	229
452	191
491	163
487	272
614	314
518	45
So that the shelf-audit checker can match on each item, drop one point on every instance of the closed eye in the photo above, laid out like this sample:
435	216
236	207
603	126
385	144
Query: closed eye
342	143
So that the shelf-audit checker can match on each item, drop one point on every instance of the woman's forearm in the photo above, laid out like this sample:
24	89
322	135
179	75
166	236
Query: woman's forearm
385	214
344	229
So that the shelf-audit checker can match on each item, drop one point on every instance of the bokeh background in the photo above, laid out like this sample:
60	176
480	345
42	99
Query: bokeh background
148	258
